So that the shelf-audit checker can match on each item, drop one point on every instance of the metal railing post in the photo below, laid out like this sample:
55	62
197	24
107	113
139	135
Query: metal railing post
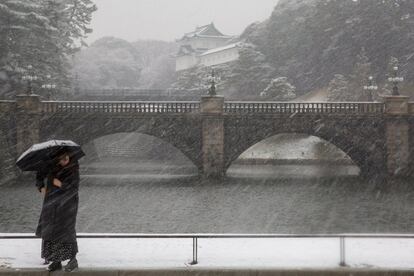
342	251
195	252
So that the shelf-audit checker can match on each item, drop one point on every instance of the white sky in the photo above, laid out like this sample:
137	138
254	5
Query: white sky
170	19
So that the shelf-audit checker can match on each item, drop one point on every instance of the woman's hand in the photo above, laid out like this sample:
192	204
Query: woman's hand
57	182
43	190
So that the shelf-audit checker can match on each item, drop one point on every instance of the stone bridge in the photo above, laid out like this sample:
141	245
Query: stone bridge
213	133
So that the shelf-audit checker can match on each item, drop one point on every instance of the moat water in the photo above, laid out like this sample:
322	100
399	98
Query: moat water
251	199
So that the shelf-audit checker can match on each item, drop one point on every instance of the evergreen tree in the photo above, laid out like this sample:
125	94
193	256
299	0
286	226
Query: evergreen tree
309	40
249	75
108	63
160	74
194	78
387	88
40	33
338	89
279	89
359	77
23	30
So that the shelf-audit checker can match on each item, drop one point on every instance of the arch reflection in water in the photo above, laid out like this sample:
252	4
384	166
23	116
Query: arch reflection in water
293	156
132	154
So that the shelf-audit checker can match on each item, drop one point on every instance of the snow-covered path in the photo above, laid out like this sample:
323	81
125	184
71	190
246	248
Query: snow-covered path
267	253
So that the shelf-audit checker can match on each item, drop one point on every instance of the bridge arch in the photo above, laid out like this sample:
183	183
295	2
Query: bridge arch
136	148
363	141
284	148
88	128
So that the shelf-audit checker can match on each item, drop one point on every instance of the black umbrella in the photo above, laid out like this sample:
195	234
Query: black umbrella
40	156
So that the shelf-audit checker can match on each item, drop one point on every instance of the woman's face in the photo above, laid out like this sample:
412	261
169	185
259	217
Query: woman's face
64	160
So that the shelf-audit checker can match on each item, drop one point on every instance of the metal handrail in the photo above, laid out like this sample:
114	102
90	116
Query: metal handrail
196	237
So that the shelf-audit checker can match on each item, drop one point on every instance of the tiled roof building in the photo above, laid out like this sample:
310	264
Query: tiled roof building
205	46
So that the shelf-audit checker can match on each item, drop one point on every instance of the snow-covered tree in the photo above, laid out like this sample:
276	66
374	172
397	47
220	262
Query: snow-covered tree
338	89
160	74
359	77
111	62
387	88
108	63
310	40
279	89
194	78
22	25
40	33
249	75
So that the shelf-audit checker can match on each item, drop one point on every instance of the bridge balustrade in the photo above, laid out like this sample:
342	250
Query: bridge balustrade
229	107
119	107
289	107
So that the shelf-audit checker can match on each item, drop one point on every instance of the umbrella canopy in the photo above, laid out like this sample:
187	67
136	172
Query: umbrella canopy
40	156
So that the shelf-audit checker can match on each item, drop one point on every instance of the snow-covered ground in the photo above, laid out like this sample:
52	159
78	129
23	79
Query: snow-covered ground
127	253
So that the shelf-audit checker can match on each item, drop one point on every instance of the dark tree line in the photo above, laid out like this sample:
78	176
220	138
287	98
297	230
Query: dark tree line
312	41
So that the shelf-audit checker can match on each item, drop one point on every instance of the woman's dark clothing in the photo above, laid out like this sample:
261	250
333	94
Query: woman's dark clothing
58	217
58	251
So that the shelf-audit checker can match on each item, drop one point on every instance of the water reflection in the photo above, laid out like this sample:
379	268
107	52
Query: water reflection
292	171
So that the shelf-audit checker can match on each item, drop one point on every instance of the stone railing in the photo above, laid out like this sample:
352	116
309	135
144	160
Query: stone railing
119	107
7	106
306	108
232	107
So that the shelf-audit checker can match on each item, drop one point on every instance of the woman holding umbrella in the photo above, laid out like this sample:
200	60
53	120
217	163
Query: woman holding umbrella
57	162
58	217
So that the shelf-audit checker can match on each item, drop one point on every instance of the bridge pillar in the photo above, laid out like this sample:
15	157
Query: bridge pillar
397	131
212	136
28	111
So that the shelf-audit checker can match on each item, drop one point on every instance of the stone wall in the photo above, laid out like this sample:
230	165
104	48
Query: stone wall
398	151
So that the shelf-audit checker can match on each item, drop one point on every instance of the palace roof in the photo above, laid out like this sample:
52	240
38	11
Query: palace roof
205	31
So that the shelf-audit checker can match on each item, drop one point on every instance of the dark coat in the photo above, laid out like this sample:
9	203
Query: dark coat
60	206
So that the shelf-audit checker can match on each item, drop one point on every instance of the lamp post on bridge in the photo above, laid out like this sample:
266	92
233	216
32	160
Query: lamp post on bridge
212	108
30	77
370	87
395	80
212	80
49	87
